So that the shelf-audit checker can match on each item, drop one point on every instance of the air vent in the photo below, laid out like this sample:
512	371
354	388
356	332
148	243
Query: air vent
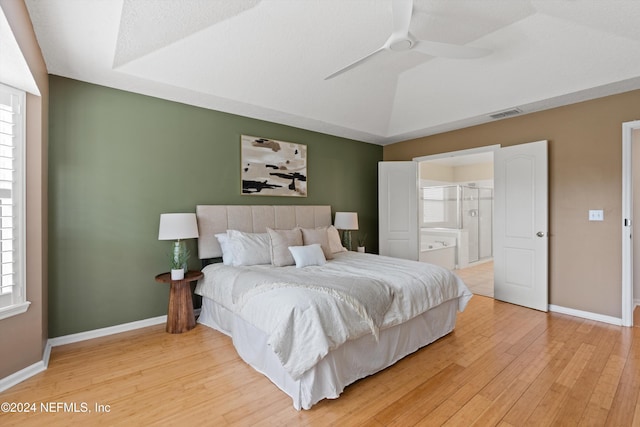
506	113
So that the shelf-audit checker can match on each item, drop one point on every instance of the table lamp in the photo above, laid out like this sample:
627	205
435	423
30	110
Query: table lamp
346	221
178	226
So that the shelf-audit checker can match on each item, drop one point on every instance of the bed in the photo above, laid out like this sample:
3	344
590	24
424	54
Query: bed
315	326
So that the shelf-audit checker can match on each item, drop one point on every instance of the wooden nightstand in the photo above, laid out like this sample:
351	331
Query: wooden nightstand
180	316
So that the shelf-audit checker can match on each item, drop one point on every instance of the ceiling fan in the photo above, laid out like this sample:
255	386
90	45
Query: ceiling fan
402	40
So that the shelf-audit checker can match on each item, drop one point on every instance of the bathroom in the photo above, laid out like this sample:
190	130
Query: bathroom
456	211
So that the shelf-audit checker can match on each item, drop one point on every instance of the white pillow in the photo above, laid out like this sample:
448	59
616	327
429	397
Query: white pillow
307	255
248	248
227	255
334	240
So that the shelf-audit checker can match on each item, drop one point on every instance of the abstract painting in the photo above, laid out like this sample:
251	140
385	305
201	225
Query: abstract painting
273	168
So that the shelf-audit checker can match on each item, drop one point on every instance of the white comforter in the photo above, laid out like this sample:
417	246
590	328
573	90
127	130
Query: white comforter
310	311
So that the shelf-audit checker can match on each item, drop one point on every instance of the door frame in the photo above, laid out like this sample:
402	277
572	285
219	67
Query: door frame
627	221
478	150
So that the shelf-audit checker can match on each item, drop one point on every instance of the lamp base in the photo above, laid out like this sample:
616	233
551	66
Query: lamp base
179	251
346	239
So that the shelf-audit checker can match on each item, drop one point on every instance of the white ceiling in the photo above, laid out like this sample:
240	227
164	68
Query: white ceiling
267	59
14	70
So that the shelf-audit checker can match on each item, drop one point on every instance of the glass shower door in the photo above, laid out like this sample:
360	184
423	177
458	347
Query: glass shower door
485	244
470	220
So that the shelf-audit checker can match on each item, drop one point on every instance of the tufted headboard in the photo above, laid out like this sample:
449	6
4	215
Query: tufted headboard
214	219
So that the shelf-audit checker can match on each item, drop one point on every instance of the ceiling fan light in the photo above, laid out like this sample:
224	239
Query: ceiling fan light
401	45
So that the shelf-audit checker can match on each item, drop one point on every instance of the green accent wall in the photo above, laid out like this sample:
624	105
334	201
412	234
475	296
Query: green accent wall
117	160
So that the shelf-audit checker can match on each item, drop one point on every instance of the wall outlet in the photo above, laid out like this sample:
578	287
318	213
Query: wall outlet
596	215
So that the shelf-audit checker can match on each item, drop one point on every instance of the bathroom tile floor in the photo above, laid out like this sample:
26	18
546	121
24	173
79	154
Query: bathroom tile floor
478	278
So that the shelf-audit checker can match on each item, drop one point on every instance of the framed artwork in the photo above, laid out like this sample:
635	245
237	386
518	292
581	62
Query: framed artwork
273	168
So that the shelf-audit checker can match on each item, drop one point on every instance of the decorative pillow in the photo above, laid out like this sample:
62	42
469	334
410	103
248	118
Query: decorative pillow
335	244
307	255
248	248
280	242
227	255
317	235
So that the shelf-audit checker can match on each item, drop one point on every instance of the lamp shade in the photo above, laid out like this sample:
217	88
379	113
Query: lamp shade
346	221
176	226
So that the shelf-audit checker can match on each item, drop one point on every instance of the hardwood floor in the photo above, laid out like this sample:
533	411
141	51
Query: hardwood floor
478	278
503	365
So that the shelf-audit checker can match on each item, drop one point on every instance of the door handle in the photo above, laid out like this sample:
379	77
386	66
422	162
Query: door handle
540	234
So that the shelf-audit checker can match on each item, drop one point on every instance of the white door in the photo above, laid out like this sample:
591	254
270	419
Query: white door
521	225
398	209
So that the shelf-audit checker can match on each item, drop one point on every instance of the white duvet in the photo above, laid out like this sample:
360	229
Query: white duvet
307	312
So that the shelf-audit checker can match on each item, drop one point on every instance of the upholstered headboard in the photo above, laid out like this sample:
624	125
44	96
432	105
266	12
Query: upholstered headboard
213	219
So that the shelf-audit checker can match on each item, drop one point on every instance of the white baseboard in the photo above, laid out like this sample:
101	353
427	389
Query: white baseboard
103	332
46	354
36	368
24	374
586	315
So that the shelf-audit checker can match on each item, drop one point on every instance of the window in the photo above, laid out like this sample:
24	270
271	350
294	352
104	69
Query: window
12	233
433	205
439	206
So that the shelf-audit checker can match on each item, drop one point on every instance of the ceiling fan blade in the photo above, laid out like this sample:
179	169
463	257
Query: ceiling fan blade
402	11
448	50
356	63
402	40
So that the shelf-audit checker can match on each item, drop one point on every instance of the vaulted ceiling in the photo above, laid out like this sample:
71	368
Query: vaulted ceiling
269	59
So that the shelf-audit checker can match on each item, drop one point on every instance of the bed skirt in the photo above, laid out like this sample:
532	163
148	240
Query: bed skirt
348	363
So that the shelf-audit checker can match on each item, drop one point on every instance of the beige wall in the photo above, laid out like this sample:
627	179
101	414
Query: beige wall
585	172
23	337
436	172
475	172
455	174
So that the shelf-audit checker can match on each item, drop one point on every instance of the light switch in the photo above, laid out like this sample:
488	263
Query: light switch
596	215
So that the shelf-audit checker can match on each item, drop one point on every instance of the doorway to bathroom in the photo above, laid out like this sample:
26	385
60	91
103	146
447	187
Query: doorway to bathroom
520	218
456	216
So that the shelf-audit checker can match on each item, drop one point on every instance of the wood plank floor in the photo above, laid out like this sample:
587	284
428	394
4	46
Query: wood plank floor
503	365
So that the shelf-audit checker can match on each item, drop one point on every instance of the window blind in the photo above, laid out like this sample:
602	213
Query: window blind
11	134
